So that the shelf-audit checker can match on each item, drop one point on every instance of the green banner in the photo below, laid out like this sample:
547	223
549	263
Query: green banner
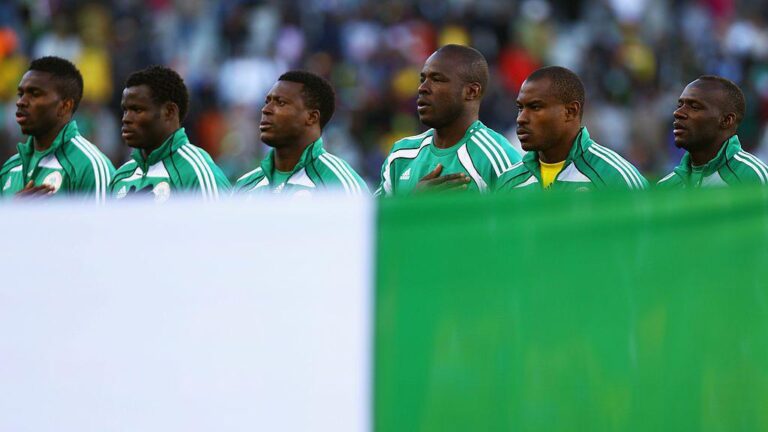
563	312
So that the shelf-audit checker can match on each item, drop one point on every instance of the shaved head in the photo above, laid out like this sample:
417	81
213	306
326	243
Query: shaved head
725	94
471	65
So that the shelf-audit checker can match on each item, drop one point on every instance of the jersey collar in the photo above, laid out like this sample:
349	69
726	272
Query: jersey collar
580	145
169	146
65	134
729	148
312	152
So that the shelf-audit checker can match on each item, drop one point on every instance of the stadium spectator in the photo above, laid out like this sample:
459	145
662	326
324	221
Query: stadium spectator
155	102
459	151
708	114
55	158
560	153
296	110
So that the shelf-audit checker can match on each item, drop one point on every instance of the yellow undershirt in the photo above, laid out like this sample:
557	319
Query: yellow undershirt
549	172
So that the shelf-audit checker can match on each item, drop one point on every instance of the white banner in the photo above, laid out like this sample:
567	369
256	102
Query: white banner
240	316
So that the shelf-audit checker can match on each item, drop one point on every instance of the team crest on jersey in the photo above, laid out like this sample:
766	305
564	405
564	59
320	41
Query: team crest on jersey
122	192
54	180
162	192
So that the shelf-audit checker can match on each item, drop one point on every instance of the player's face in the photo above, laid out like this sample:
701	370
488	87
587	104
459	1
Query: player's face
541	117
39	107
142	127
697	117
441	91
284	118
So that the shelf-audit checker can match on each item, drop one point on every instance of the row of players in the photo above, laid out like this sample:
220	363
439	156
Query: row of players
457	152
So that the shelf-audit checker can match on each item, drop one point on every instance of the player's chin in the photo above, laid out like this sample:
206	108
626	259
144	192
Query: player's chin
428	120
681	142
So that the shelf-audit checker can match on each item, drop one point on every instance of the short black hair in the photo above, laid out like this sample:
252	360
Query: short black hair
68	80
472	65
566	85
317	93
166	86
734	97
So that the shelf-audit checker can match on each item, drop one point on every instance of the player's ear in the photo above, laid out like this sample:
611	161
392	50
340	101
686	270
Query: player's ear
472	91
728	121
313	117
170	111
67	106
573	110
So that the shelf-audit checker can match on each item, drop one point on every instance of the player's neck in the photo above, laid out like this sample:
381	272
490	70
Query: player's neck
449	135
45	141
286	157
560	151
704	154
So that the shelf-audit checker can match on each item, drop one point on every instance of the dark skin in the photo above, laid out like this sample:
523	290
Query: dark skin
146	124
42	113
545	124
701	123
287	124
450	105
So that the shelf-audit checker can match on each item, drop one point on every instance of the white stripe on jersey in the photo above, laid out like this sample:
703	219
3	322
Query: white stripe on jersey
666	177
101	162
752	165
531	180
623	162
466	162
757	162
346	171
207	171
341	178
249	173
97	176
504	163
488	155
611	163
193	164
409	153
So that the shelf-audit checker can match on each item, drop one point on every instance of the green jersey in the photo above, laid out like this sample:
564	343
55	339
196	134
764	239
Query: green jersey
316	170
71	165
731	166
175	166
588	166
482	154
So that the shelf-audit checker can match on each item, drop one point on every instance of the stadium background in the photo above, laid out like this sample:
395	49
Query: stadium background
635	56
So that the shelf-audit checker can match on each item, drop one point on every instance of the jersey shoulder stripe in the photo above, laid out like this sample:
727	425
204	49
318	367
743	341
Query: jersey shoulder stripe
344	167
466	162
200	156
248	174
503	158
330	164
104	163
619	164
405	153
634	175
752	165
201	179
760	165
98	171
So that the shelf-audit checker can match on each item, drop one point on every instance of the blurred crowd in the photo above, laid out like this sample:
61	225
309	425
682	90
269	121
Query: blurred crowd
635	57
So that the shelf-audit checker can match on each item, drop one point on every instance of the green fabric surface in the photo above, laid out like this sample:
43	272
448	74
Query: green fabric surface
562	312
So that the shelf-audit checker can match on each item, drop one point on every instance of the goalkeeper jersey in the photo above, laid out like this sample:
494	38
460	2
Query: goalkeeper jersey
316	170
71	165
588	166
731	166
175	167
482	154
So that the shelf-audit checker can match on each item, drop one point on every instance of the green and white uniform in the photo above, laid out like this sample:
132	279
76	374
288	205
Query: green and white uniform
588	166
175	166
482	154
731	166
72	165
316	170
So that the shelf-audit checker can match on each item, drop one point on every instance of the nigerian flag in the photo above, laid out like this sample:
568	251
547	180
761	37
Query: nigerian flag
534	312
